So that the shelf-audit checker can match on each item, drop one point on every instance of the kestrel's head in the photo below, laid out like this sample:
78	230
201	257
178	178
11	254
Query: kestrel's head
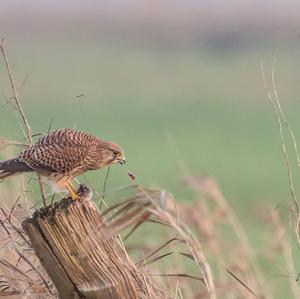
113	153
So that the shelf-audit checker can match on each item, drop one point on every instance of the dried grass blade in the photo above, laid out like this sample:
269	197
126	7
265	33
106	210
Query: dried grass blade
140	222
159	248
159	258
188	255
184	275
240	281
13	268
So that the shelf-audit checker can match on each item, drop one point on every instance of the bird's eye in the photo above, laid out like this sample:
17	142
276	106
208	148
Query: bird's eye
116	154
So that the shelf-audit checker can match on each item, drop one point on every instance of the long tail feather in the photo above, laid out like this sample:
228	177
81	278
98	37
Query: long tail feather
12	167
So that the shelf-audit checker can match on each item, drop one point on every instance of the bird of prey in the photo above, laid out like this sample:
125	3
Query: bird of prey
61	155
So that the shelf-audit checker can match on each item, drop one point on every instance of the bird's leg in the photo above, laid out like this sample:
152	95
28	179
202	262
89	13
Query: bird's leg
72	191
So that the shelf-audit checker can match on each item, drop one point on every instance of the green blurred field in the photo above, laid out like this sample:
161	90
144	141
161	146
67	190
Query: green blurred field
166	106
207	109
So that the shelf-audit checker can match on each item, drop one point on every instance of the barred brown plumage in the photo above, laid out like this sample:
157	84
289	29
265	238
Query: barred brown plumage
61	155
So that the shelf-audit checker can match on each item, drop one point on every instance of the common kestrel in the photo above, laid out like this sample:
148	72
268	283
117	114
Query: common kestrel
61	155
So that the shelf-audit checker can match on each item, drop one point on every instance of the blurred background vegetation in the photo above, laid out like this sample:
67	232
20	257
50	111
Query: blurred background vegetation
170	81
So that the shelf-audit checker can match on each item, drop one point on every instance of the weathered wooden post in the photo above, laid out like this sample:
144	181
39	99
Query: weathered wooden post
79	259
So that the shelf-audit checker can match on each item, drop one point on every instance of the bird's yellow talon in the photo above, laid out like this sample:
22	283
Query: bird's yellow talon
72	192
74	196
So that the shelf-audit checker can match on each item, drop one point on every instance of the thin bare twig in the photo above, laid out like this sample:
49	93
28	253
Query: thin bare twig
16	97
21	111
50	125
80	110
13	208
8	101
23	83
283	144
42	189
26	259
104	187
15	228
286	250
283	114
15	269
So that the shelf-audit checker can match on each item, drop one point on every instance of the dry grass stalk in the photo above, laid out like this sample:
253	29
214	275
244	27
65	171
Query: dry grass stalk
219	214
295	213
281	118
154	203
284	247
19	265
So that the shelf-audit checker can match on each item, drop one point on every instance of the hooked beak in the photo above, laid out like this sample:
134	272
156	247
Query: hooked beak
121	160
